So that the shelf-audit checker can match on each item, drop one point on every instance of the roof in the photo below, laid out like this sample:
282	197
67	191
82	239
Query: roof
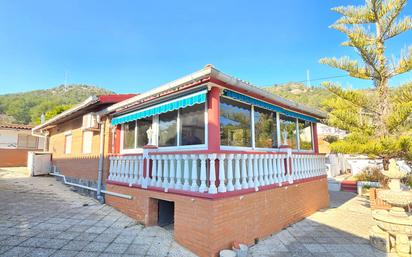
92	101
206	73
16	126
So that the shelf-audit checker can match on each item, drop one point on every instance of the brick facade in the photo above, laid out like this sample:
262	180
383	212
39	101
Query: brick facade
206	226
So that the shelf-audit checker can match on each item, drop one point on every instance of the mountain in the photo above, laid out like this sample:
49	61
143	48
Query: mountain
298	92
26	107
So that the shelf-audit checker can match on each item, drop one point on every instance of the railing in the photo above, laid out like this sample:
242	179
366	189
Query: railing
214	173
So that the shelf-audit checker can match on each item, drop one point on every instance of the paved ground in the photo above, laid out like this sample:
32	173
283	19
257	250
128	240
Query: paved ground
42	217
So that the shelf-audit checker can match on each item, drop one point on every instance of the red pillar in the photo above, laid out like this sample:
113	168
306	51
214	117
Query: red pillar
117	139
213	119
315	138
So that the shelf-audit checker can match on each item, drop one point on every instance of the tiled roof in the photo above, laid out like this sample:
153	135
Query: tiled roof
16	126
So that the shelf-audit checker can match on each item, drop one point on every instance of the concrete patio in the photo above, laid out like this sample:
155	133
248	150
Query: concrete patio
42	217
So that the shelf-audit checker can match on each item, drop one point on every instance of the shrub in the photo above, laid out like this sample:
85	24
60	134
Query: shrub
372	174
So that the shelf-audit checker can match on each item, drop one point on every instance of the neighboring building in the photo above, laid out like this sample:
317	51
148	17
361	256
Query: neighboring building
15	141
221	159
74	138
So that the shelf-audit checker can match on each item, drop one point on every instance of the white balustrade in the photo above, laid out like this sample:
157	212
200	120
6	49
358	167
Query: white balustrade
214	173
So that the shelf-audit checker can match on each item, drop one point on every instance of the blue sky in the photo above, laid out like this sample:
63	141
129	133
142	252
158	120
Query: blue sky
132	46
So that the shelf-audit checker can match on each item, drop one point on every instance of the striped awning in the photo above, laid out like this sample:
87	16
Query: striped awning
182	102
256	102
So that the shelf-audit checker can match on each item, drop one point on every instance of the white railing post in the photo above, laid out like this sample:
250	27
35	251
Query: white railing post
135	171
178	184
203	177
275	168
166	172
212	174
238	186
289	174
194	187
265	169
256	171
261	172
230	186
186	171
159	171
172	174
222	175
250	170
110	168
244	172
141	171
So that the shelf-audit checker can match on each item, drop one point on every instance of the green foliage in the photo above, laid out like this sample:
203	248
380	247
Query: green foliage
26	108
53	112
379	120
371	174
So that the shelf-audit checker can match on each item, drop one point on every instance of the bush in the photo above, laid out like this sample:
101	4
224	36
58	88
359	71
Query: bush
372	174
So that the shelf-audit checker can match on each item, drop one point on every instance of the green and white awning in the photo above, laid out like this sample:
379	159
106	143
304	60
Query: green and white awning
182	102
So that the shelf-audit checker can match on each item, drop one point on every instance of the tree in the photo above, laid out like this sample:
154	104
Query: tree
379	122
53	112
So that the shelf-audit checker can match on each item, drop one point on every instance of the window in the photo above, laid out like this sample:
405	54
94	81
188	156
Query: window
168	129
68	143
87	141
192	125
27	141
265	128
235	123
305	135
129	135
288	129
141	128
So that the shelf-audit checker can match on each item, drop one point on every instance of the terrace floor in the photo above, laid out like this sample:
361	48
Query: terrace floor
42	217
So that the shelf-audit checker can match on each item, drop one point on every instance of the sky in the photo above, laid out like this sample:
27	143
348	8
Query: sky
133	46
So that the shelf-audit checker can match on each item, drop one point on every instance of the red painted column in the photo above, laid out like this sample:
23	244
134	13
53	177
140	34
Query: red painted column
213	125
213	119
315	138
117	139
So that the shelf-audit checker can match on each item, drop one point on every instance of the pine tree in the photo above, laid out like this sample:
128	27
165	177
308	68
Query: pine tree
379	122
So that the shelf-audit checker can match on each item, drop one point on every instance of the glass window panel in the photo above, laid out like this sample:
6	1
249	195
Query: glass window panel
265	128
235	123
288	125
129	135
305	135
142	126
192	122
168	129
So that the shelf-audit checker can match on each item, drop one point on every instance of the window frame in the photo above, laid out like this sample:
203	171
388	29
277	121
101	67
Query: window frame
155	136
66	135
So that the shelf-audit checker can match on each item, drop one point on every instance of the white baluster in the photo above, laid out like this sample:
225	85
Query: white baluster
135	169
172	174
203	176
212	174
265	169
244	172
123	171
289	173
194	186
110	168
141	171
222	175
178	172
261	172
154	170
295	167
283	166
166	172
159	171
238	186
230	186
279	169
270	168
256	170
186	172
275	169
250	170
115	168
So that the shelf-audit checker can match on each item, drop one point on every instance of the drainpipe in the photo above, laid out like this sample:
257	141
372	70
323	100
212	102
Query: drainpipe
101	160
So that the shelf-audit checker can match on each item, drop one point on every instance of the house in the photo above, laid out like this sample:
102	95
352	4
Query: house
73	138
220	159
15	142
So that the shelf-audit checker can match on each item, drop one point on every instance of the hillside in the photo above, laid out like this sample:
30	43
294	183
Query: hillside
26	107
298	92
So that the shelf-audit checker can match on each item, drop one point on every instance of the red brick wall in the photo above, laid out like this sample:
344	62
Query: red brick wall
206	226
13	157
